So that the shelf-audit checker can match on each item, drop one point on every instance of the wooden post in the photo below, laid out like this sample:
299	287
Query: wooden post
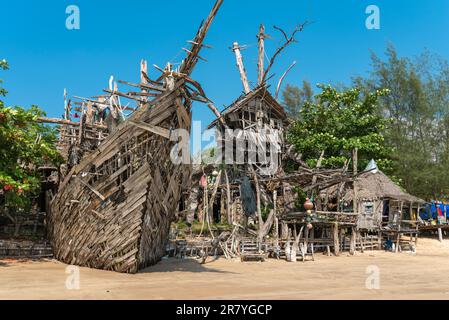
362	245
223	216
398	241
352	245
260	62
259	209
306	244
276	221
210	212
284	230
355	170
239	59
228	198
379	240
411	210
336	240
143	80
342	240
355	160
440	235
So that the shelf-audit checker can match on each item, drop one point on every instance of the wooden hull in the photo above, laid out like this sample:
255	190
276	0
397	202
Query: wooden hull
113	210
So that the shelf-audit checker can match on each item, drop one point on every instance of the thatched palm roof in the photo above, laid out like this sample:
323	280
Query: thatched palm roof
371	185
376	185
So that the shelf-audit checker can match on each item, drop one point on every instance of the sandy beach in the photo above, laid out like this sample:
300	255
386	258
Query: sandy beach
423	275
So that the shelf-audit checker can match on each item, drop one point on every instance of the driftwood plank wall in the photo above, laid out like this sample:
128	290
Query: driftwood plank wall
118	218
114	207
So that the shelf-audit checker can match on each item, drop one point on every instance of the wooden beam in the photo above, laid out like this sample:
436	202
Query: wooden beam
261	60
190	61
154	129
143	70
239	60
124	95
98	194
68	122
282	78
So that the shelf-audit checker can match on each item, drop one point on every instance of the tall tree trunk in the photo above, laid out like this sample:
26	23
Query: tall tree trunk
265	228
355	170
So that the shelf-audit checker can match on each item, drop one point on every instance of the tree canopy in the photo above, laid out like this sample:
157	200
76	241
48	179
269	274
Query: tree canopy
337	122
294	97
418	107
25	144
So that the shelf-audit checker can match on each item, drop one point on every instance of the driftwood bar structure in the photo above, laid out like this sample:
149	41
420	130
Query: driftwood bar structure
248	174
120	189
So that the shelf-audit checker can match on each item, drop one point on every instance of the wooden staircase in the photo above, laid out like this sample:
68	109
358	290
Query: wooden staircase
250	250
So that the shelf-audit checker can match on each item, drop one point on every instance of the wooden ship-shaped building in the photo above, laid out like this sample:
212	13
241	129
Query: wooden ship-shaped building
119	190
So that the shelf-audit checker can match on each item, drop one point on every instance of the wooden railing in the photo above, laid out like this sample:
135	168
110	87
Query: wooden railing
326	217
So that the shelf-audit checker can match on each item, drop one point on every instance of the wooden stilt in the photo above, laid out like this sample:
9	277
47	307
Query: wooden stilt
362	244
398	239
336	240
352	246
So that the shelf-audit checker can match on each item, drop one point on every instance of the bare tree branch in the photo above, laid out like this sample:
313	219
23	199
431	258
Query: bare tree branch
282	78
288	41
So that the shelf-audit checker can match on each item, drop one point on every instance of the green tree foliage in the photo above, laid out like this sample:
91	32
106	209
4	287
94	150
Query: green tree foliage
337	122
25	144
294	97
418	106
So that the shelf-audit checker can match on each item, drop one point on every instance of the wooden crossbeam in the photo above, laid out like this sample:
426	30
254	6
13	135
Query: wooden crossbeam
154	129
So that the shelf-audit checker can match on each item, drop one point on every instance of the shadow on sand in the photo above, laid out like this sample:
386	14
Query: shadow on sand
182	265
8	261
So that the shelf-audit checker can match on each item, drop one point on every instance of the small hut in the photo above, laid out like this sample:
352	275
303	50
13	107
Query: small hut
380	202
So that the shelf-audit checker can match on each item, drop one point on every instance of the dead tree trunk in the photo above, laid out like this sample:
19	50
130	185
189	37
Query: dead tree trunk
266	227
239	59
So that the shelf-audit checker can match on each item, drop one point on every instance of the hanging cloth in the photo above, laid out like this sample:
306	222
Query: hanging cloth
248	197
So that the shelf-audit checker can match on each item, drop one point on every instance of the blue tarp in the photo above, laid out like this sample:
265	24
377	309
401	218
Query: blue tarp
430	211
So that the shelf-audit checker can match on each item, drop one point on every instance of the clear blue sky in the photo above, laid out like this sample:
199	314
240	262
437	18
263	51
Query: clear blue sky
45	57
